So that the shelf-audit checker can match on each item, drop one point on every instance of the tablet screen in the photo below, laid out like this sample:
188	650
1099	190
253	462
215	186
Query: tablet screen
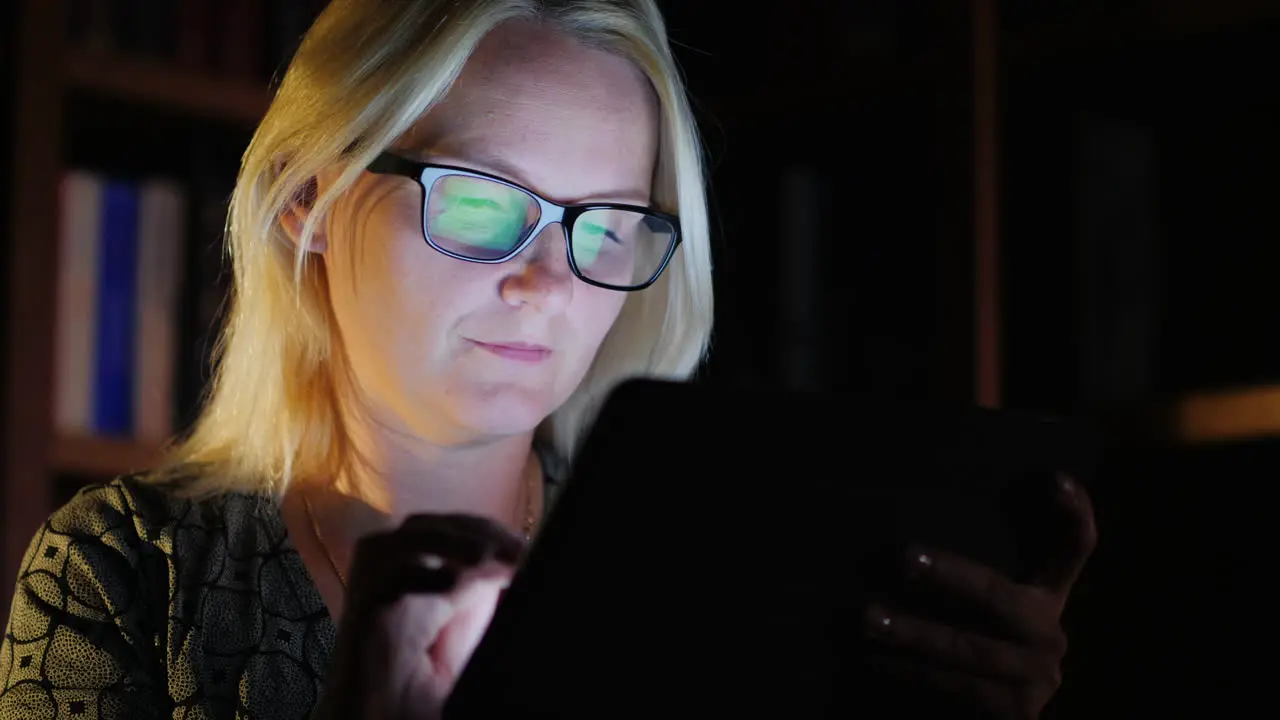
713	550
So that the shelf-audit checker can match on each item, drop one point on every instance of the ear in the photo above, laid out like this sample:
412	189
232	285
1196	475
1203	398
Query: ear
295	215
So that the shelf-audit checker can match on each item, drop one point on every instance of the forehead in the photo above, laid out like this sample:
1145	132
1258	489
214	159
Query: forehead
569	121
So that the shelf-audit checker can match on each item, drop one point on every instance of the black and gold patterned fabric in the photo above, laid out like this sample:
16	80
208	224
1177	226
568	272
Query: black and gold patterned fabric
135	603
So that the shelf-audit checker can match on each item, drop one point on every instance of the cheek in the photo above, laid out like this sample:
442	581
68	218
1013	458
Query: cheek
387	292
599	311
371	230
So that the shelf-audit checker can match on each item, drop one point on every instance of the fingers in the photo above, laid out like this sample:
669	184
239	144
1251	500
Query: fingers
470	537
413	580
1024	611
415	607
459	540
430	554
962	650
475	600
1078	540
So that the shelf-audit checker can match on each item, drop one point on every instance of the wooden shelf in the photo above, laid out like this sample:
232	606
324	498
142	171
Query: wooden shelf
1245	414
101	457
170	88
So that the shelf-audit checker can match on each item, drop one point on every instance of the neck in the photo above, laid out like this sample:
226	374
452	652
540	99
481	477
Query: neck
400	473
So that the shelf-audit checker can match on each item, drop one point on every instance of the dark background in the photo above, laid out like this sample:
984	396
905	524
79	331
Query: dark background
1138	218
1136	148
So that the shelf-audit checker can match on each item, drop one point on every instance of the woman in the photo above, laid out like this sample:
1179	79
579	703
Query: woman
457	226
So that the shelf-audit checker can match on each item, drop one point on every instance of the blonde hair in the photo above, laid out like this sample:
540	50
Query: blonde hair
364	73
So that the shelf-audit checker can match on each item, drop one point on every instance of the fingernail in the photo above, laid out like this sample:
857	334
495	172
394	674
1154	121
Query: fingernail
1067	488
923	561
878	621
919	563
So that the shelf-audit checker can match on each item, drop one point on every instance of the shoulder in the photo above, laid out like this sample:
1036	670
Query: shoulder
131	552
96	567
129	578
135	526
132	507
115	516
124	504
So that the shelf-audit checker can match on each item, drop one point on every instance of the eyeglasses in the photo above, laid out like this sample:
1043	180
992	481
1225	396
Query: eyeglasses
481	218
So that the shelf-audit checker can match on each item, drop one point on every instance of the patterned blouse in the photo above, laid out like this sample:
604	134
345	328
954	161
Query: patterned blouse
135	603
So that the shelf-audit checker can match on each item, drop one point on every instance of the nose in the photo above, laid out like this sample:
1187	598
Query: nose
540	276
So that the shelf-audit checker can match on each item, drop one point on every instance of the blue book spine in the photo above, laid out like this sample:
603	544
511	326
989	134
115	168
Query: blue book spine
117	286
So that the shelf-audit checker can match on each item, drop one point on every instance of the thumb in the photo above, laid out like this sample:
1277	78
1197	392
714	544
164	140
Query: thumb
474	601
1075	536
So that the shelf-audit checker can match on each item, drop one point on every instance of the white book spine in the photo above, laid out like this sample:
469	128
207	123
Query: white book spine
160	253
80	215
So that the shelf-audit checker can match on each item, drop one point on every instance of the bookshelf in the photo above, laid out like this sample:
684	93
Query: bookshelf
33	223
1228	415
1137	228
90	456
1163	107
169	88
199	103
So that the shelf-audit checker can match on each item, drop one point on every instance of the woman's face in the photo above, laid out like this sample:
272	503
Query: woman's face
459	352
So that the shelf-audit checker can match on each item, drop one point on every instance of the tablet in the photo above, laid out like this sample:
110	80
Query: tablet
714	550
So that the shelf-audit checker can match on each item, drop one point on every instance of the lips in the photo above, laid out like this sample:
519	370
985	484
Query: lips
518	351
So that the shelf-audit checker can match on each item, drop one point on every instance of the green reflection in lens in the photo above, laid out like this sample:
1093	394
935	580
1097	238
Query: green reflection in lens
484	217
588	238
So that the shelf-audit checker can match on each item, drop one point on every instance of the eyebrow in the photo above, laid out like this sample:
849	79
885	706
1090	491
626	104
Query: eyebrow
496	165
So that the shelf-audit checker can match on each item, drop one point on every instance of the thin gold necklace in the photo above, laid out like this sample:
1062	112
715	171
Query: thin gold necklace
529	520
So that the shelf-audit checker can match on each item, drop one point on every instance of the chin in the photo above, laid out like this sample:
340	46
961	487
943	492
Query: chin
503	410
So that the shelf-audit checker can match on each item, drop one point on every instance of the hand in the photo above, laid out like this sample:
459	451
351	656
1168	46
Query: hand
1011	677
419	600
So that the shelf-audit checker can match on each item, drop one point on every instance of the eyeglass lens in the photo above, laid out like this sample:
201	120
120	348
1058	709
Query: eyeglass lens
485	220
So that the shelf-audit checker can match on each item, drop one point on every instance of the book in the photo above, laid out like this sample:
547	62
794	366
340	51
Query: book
161	218
117	282
81	215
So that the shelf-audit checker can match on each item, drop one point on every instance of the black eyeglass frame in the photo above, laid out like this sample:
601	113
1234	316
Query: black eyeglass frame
426	174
